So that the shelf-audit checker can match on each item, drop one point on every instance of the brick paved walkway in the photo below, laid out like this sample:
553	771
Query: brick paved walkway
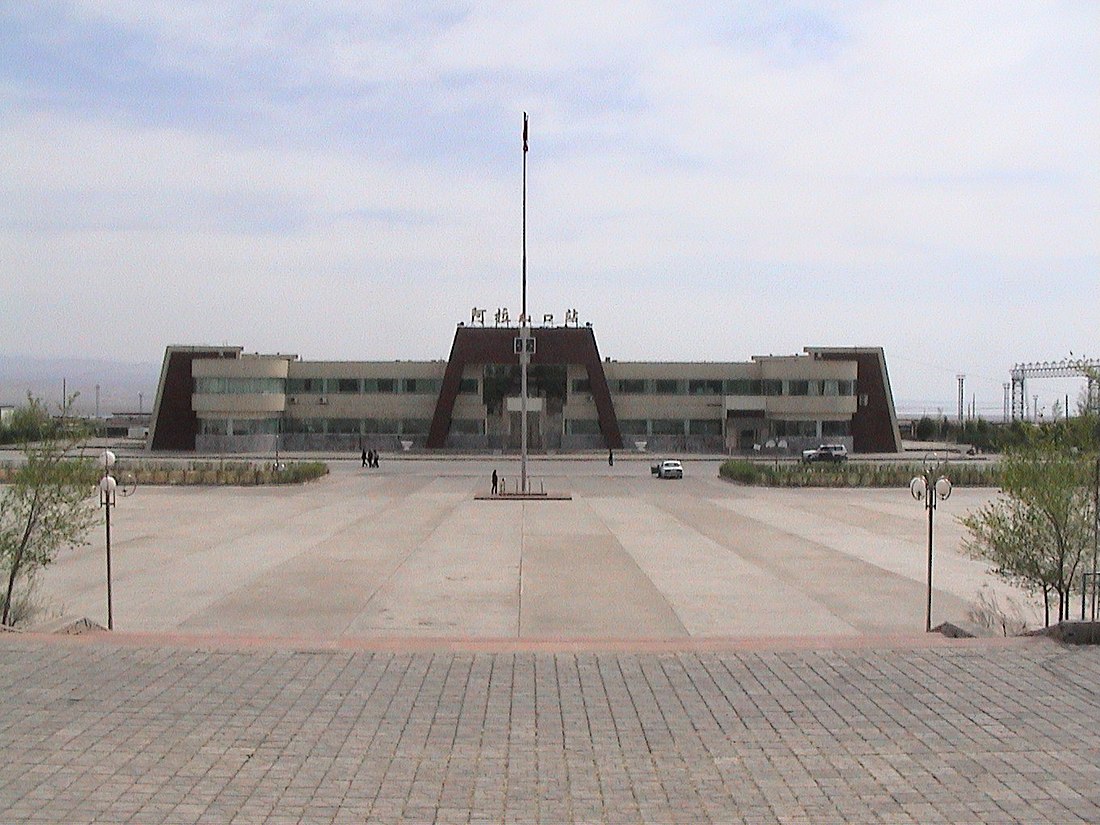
923	733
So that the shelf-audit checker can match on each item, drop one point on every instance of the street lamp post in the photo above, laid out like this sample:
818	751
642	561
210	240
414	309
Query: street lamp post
108	493
924	488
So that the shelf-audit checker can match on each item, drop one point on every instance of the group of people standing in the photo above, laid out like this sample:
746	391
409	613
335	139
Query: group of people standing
370	458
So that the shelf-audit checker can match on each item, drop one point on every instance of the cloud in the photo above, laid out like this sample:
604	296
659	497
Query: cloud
734	168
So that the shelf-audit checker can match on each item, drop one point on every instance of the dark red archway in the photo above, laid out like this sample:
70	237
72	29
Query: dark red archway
553	345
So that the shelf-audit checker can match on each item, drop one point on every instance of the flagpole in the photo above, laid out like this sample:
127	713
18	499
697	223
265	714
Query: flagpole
524	357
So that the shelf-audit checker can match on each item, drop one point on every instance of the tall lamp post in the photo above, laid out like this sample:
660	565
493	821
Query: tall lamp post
108	493
928	489
525	344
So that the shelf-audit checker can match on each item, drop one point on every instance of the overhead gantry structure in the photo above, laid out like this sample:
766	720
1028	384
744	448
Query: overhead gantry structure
1066	368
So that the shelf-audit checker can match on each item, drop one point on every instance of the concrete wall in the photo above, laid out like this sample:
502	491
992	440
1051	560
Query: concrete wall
235	443
246	366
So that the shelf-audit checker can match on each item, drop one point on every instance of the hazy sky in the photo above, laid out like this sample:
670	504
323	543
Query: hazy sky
342	179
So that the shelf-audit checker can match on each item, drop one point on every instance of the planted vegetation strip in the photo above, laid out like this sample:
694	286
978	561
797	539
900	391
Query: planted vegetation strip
209	473
852	474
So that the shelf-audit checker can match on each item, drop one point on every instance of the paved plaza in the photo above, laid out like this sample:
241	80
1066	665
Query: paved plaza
406	550
382	647
928	730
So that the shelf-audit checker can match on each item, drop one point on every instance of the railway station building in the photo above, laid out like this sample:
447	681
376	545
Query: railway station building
224	400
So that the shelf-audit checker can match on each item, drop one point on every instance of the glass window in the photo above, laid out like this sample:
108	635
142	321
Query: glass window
209	386
772	386
633	426
304	425
631	386
743	386
673	426
380	385
304	386
668	386
347	385
831	387
415	426
798	388
795	428
255	426
214	426
343	426
836	428
846	387
468	386
239	386
704	386
582	385
582	426
705	426
420	386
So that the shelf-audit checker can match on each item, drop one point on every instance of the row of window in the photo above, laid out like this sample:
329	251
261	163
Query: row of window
239	426
243	386
706	426
809	429
469	386
325	386
476	426
729	386
357	386
652	426
334	426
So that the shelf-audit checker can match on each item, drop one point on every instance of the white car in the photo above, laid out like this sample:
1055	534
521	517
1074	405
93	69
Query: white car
836	453
668	469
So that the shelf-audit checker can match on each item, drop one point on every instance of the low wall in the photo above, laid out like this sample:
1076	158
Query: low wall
235	443
796	444
679	443
459	441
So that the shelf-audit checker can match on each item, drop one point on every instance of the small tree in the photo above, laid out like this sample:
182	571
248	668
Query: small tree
1038	532
47	506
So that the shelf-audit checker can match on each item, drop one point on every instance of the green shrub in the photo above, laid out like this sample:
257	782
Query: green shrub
739	470
204	473
851	474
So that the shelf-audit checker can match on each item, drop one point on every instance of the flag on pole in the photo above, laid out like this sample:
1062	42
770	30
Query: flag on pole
525	131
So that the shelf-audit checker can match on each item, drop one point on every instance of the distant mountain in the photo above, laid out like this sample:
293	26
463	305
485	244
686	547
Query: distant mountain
123	386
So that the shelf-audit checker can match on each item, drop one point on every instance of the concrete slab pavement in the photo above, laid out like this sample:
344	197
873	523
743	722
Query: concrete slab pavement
406	550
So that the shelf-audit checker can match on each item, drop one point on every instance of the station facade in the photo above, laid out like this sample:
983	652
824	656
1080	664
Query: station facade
224	400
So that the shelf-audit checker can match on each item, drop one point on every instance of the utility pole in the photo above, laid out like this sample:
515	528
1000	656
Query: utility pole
961	379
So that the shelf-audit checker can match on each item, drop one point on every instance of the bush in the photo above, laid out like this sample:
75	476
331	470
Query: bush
851	474
24	603
739	470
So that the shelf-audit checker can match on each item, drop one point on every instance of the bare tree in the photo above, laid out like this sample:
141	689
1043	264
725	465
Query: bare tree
49	503
1038	533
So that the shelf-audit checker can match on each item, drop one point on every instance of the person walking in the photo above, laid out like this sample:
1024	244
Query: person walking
494	482
376	458
364	458
610	458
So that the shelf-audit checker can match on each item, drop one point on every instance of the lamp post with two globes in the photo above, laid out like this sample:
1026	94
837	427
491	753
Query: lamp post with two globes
929	489
109	490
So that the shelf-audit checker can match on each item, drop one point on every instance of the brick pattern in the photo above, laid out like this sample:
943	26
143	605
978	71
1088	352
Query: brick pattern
131	734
